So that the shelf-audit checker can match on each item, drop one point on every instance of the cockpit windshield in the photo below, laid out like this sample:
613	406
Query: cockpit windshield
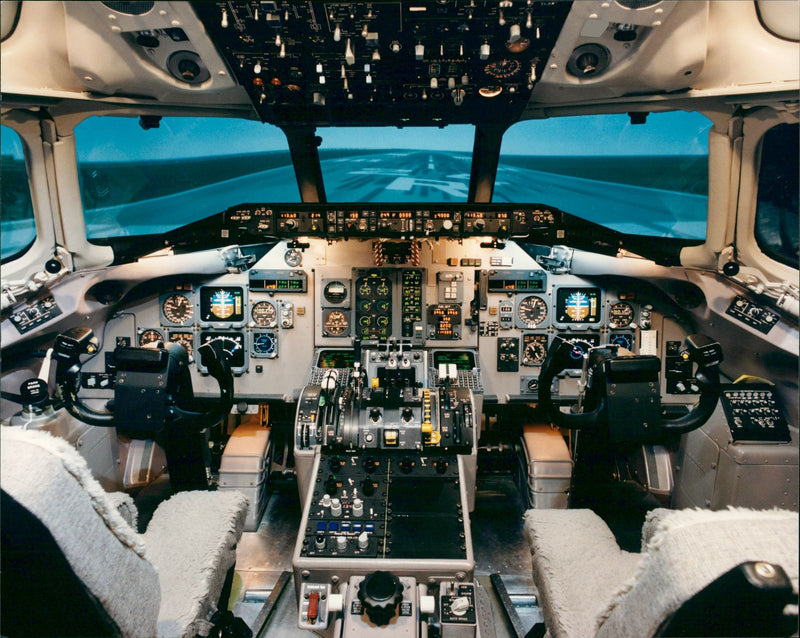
642	179
397	165
658	169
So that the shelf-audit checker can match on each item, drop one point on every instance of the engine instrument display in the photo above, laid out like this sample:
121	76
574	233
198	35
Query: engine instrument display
222	303
374	306
531	311
335	323
444	321
578	305
232	344
177	309
463	359
185	338
620	315
534	349
412	300
264	314
146	337
336	359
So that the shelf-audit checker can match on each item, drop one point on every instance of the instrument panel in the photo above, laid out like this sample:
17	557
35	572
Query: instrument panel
494	300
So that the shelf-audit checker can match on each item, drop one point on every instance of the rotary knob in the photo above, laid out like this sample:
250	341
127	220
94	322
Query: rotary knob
380	593
406	464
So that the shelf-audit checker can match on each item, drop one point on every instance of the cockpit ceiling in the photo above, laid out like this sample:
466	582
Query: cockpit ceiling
429	63
393	62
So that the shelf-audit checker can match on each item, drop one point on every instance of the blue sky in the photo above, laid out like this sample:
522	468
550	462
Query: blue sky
664	133
9	143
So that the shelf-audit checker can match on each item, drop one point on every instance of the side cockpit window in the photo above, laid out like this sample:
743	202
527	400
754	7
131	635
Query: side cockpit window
17	224
776	227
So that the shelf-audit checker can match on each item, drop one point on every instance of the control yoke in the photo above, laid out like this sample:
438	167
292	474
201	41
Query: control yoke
152	387
621	390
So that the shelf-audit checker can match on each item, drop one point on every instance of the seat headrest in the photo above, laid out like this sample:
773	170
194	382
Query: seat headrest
686	550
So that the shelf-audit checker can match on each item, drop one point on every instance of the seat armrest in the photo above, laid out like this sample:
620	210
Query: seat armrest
577	565
191	540
125	506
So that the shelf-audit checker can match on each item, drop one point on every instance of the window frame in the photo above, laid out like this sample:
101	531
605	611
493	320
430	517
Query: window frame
749	252
42	248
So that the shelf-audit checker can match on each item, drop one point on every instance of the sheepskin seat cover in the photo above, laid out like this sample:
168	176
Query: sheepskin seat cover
50	479
686	550
589	587
164	582
577	566
191	541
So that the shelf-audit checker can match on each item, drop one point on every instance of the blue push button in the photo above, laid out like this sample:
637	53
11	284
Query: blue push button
357	527
321	526
345	527
333	526
370	527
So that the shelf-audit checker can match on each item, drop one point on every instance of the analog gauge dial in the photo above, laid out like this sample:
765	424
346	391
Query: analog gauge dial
623	340
264	314
502	69
177	308
580	348
365	289
264	344
186	339
146	337
534	350
620	315
336	323
293	257
532	311
335	292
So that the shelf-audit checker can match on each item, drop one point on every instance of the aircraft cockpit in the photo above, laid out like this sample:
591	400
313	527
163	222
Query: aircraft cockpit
451	319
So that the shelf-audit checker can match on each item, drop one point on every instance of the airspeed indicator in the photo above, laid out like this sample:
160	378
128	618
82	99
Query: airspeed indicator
531	311
177	309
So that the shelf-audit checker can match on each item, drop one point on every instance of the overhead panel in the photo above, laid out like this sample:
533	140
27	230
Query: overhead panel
395	63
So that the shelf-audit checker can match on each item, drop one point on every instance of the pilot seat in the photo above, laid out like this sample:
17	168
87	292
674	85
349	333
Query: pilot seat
74	565
730	572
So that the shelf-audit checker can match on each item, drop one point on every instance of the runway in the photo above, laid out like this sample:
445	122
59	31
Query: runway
419	177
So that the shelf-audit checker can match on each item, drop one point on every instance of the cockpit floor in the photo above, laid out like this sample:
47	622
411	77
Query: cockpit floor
498	542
